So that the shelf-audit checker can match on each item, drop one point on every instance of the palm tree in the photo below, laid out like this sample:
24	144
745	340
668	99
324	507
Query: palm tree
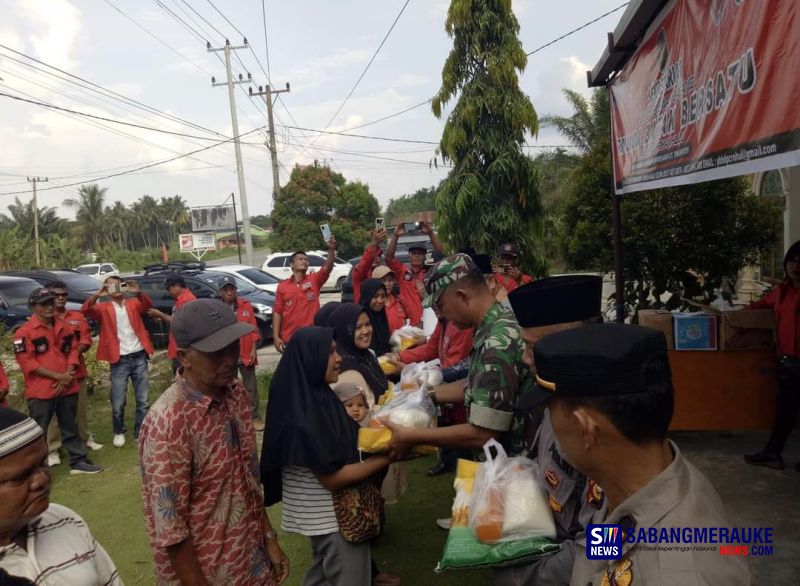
118	223
148	217
90	215
22	218
589	123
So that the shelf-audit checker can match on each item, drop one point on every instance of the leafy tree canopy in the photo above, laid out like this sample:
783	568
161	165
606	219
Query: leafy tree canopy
422	200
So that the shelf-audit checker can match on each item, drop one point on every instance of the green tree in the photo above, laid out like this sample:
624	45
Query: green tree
90	216
589	123
21	216
405	206
262	221
491	194
316	195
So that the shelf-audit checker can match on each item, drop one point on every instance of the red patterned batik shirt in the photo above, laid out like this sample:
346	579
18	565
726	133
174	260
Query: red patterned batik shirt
200	480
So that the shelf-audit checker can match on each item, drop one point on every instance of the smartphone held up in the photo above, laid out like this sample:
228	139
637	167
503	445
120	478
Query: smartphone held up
326	232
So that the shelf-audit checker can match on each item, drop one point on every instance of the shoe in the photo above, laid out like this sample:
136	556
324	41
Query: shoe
93	445
119	440
53	459
85	467
439	469
443	523
766	459
384	579
258	425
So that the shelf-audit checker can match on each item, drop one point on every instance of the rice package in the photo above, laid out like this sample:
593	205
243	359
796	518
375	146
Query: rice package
411	409
464	551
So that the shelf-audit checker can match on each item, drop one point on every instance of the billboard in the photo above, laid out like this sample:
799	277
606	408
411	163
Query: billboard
197	241
213	218
711	92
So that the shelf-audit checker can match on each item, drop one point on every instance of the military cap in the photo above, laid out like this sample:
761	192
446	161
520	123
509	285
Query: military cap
597	360
557	300
509	248
40	295
445	273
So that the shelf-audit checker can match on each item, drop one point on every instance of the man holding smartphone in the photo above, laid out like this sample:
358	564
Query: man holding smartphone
297	298
508	273
125	344
411	278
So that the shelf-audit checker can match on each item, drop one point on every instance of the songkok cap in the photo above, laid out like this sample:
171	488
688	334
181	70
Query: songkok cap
381	271
16	431
445	273
598	360
227	281
207	325
557	300
40	295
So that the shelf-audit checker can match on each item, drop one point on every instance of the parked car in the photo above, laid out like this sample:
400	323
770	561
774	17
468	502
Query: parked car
204	284
99	271
256	277
278	264
79	286
14	310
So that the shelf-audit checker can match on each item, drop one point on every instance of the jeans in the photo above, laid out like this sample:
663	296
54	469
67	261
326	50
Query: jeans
788	407
66	409
133	367
54	431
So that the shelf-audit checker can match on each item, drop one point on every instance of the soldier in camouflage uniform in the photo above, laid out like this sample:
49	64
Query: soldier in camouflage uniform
456	288
544	307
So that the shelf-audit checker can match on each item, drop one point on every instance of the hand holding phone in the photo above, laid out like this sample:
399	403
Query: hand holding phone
326	232
379	223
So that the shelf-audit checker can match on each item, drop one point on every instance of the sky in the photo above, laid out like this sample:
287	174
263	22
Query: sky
154	52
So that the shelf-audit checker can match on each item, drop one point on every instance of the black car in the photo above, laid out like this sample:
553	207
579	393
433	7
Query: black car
204	284
14	311
79	286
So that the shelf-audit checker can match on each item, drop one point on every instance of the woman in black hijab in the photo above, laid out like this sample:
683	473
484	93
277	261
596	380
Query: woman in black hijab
373	300
323	315
311	448
353	339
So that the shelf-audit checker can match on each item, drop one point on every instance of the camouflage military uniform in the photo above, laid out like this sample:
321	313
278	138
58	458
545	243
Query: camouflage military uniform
495	377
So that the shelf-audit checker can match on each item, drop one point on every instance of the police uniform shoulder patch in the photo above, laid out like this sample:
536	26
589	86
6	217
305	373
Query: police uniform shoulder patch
407	276
594	494
619	575
19	345
554	504
552	478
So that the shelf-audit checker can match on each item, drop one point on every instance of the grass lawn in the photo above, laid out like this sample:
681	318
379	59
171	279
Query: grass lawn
110	503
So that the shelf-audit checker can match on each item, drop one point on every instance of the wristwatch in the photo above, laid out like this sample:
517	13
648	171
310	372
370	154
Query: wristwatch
272	535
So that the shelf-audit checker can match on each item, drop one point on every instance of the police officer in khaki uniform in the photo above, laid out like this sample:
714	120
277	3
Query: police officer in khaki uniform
544	307
610	402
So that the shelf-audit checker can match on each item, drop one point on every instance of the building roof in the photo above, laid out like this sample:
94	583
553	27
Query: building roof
625	39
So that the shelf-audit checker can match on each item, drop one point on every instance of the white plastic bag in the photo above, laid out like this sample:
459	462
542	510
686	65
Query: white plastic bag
507	503
413	409
405	338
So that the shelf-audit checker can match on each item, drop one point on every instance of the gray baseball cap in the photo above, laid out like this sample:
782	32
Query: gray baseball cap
207	325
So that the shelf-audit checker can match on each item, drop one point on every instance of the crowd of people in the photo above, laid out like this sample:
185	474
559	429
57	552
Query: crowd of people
525	362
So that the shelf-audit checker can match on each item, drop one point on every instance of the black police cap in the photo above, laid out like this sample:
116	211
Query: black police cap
557	300
598	360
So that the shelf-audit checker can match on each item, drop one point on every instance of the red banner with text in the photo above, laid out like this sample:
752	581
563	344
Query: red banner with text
713	91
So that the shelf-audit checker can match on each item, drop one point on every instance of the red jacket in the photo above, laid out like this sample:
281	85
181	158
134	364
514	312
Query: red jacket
447	343
297	303
784	300
244	312
104	313
396	313
81	333
363	270
509	283
39	345
184	297
409	295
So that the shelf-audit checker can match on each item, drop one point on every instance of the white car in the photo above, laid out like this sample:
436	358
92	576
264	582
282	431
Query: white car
100	271
278	264
256	277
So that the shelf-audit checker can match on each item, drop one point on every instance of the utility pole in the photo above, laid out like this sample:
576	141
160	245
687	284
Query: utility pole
248	241
36	180
273	148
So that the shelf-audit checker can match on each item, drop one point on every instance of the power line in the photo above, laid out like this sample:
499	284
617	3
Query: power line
147	166
583	26
266	39
205	20
428	101
337	133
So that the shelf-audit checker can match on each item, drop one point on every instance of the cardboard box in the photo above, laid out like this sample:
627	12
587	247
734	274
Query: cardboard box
752	329
695	331
659	319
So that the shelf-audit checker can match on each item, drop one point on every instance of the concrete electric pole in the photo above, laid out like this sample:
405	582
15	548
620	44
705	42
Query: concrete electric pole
267	92
248	241
36	180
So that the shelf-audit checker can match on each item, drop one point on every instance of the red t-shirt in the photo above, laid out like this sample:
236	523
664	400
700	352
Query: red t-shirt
363	270
784	301
81	333
509	283
447	343
297	303
245	313
396	313
183	298
409	295
38	345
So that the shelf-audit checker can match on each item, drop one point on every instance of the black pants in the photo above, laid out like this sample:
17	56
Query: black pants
66	410
788	407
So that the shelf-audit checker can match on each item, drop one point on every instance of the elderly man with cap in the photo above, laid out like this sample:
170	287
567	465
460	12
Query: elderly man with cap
176	288
40	541
544	307
202	498
610	400
248	357
409	277
47	355
457	290
508	273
